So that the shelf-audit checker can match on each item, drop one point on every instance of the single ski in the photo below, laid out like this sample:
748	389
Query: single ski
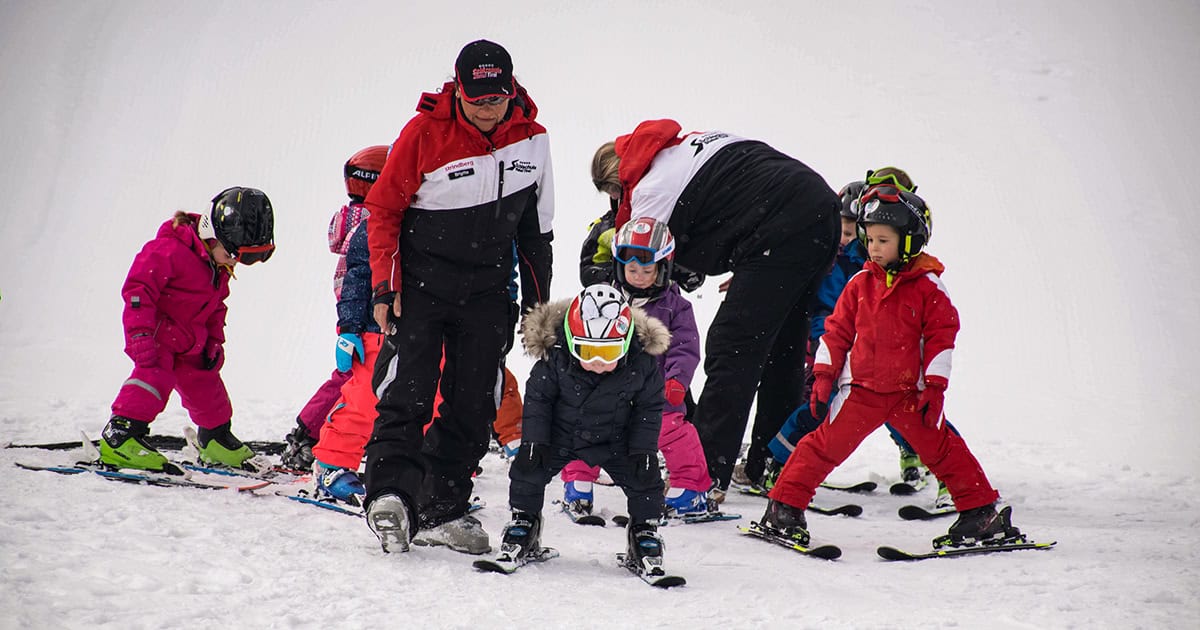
257	466
848	509
703	517
825	552
622	520
506	564
891	553
856	488
272	474
581	519
657	577
141	477
340	508
905	488
753	490
918	513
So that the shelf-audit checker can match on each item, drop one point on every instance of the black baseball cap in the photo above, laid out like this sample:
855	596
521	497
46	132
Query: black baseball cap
484	69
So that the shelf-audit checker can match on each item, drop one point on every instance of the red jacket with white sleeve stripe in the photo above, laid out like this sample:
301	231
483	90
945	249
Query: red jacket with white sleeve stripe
890	337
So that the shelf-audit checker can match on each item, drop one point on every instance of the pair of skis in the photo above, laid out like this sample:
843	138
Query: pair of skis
259	479
506	564
833	552
907	512
176	475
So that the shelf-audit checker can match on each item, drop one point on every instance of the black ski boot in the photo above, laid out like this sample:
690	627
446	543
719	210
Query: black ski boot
522	537
787	521
298	455
645	547
981	525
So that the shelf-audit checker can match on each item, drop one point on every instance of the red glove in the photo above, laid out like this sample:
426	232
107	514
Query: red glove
931	402
142	348
674	391
822	390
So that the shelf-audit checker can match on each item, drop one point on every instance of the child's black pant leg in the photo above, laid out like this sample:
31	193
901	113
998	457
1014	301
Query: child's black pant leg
527	487
644	496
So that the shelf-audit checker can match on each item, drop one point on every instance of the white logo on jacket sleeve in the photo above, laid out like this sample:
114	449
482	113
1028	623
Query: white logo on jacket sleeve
707	138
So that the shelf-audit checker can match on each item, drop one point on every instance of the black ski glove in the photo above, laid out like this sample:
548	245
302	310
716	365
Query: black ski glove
644	467
529	457
213	356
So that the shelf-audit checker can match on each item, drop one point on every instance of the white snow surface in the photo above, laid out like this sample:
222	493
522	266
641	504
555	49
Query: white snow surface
1052	141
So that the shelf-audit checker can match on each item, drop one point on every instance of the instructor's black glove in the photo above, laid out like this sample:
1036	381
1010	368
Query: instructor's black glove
529	457
644	467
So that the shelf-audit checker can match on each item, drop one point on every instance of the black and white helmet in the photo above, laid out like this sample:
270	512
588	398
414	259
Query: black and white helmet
900	209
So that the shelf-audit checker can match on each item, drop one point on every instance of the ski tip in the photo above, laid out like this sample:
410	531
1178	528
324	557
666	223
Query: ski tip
488	566
826	552
669	581
918	513
891	553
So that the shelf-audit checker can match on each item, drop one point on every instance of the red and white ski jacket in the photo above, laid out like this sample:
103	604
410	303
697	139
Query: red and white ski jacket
450	202
724	197
891	338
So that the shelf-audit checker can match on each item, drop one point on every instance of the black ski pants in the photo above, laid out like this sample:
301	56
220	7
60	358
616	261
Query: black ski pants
527	488
765	314
432	471
782	386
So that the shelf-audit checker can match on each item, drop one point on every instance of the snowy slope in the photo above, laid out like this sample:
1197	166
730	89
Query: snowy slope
1050	141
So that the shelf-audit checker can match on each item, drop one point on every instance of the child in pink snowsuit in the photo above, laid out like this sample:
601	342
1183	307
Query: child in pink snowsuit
643	251
174	321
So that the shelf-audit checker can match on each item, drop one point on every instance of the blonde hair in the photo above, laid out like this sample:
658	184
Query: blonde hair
605	167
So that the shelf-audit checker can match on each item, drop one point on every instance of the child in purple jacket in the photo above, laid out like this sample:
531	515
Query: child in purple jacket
643	253
174	323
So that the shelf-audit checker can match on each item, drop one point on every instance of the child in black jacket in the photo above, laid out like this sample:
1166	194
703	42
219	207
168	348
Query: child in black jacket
595	394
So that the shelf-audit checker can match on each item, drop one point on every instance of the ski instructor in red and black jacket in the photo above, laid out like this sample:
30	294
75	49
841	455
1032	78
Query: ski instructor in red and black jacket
733	204
467	178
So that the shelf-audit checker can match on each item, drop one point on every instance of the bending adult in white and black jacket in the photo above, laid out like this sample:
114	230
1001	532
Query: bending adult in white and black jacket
462	183
737	205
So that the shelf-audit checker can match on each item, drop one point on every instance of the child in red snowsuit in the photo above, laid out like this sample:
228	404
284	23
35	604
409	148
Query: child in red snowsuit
360	172
888	346
174	321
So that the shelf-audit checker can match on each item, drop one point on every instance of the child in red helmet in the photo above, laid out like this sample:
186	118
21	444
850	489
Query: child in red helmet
361	171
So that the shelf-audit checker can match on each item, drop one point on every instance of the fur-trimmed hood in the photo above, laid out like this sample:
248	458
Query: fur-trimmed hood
543	324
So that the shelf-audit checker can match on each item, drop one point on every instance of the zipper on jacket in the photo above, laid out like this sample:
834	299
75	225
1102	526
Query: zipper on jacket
500	191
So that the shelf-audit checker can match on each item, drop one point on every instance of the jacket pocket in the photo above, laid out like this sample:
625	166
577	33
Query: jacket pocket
175	337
